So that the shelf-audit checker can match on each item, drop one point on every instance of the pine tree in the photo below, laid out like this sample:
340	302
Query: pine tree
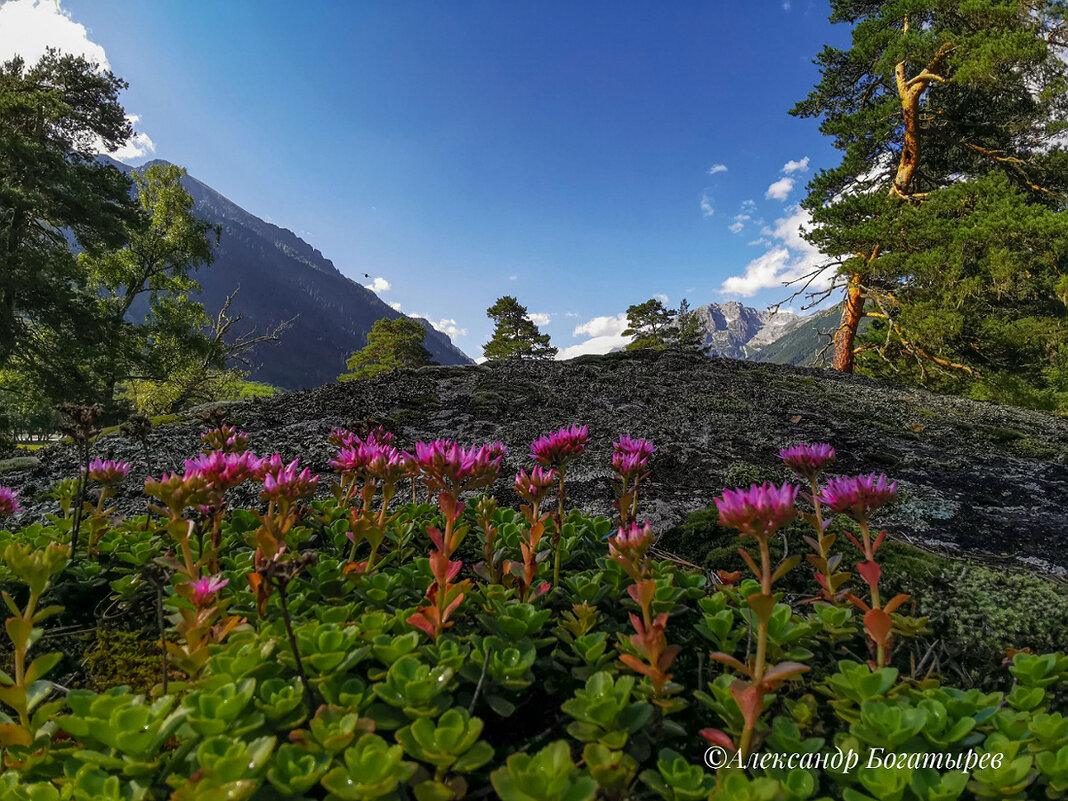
649	324
944	220
686	333
391	345
515	335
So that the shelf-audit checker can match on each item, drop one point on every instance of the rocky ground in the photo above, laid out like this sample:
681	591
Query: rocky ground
976	477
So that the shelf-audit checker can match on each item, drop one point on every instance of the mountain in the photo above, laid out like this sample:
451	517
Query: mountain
281	277
805	344
741	332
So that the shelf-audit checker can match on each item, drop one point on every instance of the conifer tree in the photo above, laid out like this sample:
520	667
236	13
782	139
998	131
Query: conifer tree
515	335
391	345
943	221
649	324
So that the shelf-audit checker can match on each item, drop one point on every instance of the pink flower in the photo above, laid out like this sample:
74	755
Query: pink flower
225	470
807	460
288	483
342	438
444	465
629	548
203	591
109	472
557	449
757	511
858	496
533	487
9	504
372	459
630	457
226	439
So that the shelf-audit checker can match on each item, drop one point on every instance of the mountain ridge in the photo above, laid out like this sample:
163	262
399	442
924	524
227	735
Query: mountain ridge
280	277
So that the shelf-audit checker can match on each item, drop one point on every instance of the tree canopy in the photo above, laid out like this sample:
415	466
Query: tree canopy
515	335
944	219
654	326
391	345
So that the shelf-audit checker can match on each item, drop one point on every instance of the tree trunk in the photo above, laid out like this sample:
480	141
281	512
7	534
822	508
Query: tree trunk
846	335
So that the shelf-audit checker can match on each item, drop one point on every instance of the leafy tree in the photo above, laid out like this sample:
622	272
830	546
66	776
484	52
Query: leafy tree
686	333
649	324
151	278
943	221
515	335
53	117
391	345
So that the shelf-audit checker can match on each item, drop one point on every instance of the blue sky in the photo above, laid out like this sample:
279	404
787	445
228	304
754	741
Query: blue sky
562	152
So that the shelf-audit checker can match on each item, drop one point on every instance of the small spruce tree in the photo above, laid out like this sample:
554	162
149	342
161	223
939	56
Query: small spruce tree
515	335
391	345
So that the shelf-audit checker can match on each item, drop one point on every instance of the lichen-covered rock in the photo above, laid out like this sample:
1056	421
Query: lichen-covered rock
974	476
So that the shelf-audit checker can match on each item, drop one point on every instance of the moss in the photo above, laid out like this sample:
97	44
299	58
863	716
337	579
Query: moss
801	380
1001	434
18	463
166	419
119	658
1039	450
881	458
743	474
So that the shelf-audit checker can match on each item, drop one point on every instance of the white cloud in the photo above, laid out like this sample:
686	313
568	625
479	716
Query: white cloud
717	168
706	206
395	305
605	335
795	166
380	284
540	318
780	190
602	326
449	327
29	27
738	224
513	277
137	146
788	257
662	297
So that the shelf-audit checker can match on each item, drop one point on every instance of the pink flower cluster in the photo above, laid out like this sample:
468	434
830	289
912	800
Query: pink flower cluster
372	458
445	465
630	457
533	487
225	470
109	472
807	460
9	504
758	511
557	449
226	439
858	496
287	482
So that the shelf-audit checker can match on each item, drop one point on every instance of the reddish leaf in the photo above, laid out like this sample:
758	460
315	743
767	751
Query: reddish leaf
750	701
870	572
896	601
762	606
717	737
879	626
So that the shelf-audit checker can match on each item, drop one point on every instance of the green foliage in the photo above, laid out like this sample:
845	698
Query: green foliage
653	326
946	211
515	336
334	691
391	345
648	323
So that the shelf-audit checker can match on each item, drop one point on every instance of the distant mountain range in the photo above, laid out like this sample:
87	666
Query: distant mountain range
281	277
741	332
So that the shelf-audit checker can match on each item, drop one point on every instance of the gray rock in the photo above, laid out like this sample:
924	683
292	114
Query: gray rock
982	478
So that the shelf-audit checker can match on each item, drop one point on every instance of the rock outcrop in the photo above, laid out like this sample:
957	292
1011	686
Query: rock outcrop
977	477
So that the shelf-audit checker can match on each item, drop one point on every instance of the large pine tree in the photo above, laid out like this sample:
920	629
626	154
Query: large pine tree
515	335
944	219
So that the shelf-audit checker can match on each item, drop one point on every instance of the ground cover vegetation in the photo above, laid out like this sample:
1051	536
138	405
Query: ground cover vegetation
391	631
